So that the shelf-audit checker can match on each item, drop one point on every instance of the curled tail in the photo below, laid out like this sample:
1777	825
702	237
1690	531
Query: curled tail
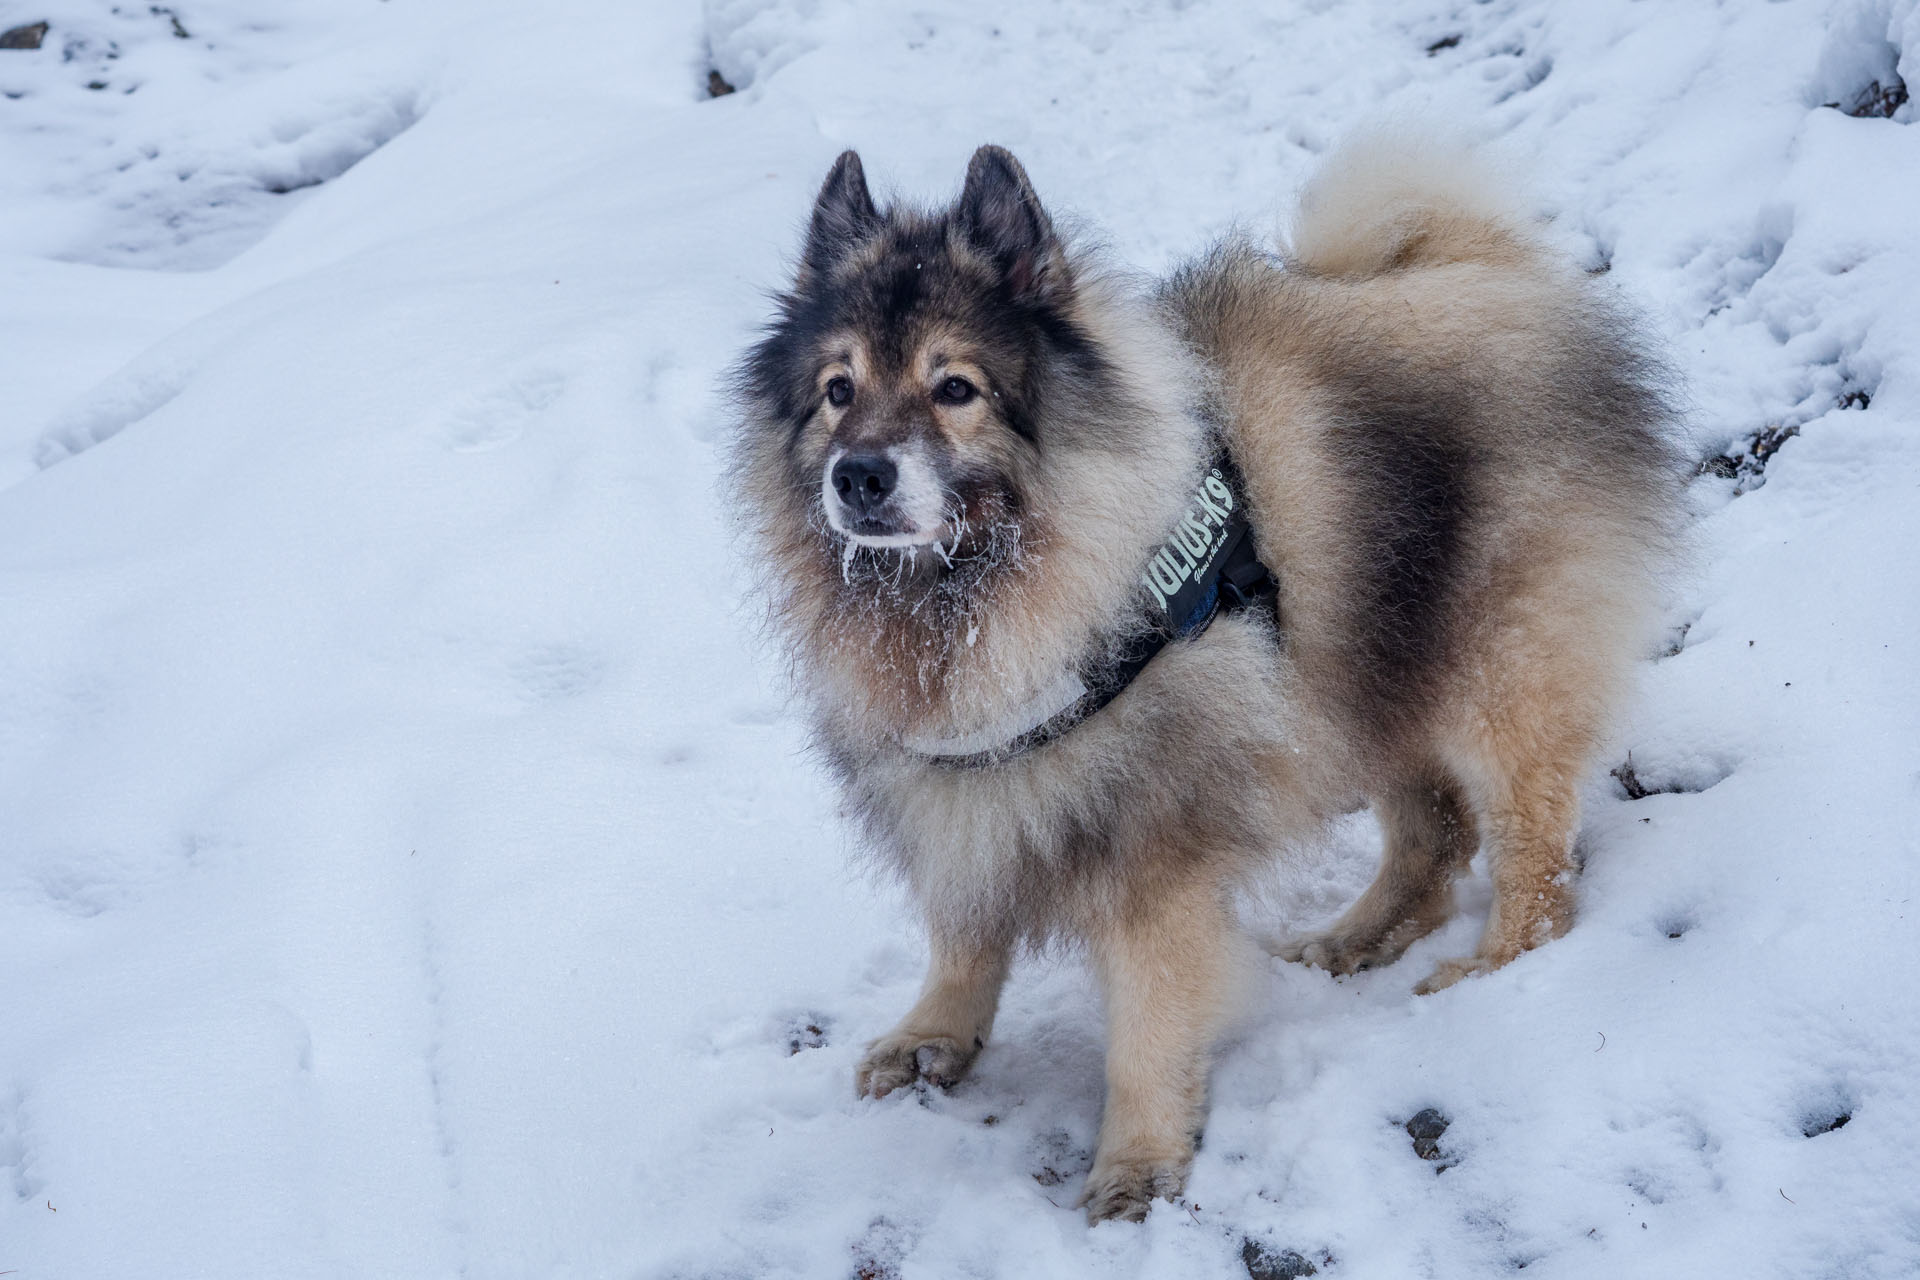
1379	203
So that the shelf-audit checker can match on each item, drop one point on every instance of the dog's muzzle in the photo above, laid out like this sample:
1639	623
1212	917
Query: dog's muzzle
882	498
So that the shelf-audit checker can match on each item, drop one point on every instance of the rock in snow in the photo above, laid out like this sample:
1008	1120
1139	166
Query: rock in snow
27	36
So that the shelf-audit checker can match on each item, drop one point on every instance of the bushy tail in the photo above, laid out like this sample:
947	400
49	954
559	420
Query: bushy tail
1379	202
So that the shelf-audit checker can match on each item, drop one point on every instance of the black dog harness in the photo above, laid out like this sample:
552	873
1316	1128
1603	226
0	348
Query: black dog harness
1206	567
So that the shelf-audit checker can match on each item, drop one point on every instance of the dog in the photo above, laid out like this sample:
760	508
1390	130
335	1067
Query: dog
976	462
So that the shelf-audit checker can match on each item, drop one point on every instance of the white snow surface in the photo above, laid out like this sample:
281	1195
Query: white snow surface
410	865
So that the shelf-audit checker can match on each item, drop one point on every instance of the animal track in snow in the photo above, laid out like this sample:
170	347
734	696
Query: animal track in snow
879	1253
807	1031
556	671
749	40
1531	74
190	202
1746	463
1676	924
1650	1186
136	392
87	882
1265	1262
16	1155
1508	58
1056	1158
1638	781
1734	277
174	139
1826	1109
1858	71
497	417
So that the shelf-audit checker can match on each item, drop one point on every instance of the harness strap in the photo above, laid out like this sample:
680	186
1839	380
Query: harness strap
1208	565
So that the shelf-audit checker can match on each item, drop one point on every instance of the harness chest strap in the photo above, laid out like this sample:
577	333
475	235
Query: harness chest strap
1207	565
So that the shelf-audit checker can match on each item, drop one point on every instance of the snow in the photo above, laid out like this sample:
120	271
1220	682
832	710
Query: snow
411	866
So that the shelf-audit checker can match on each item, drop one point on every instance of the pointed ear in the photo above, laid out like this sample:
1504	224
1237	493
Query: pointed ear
843	216
1002	217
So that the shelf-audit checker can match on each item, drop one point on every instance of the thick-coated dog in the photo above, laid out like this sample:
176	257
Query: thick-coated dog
978	466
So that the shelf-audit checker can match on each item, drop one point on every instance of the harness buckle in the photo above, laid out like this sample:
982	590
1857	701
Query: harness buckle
1247	584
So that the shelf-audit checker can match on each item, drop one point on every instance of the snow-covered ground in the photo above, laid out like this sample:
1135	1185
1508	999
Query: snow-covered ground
409	866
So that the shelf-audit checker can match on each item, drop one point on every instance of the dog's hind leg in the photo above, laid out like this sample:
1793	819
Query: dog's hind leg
1170	965
1430	838
1530	812
1530	839
1524	728
948	1026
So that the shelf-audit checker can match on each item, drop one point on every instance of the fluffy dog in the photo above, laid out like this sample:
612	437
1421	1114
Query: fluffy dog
965	444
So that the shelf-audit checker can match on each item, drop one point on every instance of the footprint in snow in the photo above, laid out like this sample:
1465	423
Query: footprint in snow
556	671
498	416
1826	1109
806	1031
16	1153
1056	1158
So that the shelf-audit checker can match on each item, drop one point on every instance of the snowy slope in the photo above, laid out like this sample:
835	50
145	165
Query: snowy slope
409	866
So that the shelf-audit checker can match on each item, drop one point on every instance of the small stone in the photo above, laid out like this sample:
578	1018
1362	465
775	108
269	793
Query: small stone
717	86
27	37
1263	1263
1426	1129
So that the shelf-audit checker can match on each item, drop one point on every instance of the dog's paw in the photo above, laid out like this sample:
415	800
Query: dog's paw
1338	953
1126	1187
1448	972
896	1061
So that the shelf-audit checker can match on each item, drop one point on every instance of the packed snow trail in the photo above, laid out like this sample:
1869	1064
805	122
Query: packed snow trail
410	865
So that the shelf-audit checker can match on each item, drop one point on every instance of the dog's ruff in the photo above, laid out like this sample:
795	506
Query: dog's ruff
1455	459
1205	567
1052	702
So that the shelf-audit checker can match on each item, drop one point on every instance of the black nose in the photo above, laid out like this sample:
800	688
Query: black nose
863	481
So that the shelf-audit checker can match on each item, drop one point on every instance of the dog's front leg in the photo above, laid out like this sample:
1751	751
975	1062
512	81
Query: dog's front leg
1168	963
948	1025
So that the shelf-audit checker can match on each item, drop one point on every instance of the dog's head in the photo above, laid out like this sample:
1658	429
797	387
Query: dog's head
906	378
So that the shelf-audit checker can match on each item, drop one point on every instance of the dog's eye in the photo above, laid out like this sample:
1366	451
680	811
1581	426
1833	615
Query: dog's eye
839	392
955	391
